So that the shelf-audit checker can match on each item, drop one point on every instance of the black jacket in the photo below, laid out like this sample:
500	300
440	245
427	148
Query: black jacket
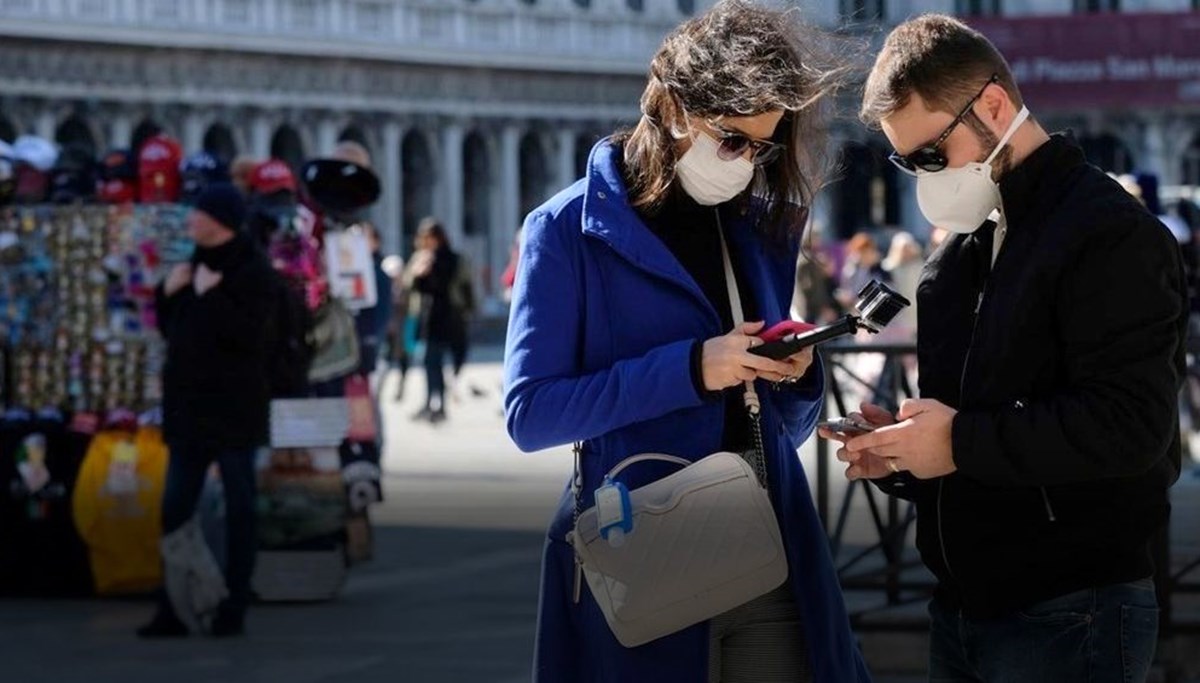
441	322
216	387
1065	364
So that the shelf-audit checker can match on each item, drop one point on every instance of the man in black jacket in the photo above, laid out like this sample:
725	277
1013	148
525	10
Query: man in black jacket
1051	354
216	314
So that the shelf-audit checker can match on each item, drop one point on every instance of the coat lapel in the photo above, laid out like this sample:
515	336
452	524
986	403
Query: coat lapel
608	217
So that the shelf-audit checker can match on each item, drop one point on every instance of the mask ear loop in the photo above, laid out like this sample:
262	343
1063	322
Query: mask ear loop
1012	130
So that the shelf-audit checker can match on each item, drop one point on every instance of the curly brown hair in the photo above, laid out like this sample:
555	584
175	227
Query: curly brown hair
740	59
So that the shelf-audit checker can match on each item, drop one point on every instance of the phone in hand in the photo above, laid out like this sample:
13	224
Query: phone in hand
847	426
779	341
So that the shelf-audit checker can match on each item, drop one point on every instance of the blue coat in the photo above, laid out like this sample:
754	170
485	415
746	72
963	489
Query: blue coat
603	320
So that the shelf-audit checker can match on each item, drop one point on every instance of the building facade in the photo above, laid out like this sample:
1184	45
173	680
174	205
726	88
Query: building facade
475	111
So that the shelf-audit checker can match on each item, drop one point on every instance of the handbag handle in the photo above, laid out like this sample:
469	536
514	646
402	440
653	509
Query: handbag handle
635	459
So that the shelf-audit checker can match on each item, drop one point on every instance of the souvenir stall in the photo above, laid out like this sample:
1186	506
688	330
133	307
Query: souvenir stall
82	461
81	454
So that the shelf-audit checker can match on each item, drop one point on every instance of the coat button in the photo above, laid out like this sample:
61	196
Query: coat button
601	195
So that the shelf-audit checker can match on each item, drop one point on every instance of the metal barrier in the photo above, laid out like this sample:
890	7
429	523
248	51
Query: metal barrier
891	574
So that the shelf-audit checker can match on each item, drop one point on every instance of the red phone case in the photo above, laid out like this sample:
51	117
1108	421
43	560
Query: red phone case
783	329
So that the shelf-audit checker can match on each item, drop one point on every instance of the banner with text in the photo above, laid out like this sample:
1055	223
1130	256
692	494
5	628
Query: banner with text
1101	60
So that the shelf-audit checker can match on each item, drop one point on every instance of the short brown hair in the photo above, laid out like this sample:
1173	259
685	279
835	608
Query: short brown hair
939	58
740	59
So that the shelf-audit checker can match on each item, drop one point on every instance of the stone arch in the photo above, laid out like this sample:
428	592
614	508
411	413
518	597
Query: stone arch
480	239
535	173
220	142
288	146
418	187
75	131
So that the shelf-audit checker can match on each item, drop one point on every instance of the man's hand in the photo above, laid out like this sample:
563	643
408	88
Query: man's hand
180	277
864	464
727	361
920	443
205	279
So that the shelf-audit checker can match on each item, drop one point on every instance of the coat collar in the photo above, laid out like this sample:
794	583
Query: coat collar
608	216
1039	178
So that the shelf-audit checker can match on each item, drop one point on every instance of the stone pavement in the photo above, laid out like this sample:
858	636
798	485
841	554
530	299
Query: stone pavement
450	596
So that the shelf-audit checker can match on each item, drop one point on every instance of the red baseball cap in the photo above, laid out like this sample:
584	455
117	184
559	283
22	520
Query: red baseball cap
272	176
117	191
158	169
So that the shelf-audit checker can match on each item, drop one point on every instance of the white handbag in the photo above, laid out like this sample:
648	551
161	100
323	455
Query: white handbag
704	540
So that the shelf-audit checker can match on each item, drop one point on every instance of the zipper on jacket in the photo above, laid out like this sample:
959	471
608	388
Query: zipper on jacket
962	381
1049	510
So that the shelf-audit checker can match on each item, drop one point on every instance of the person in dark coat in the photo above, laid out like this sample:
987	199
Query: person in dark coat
435	268
216	315
1051	352
623	338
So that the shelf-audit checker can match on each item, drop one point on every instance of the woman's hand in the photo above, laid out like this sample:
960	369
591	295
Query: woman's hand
727	360
797	363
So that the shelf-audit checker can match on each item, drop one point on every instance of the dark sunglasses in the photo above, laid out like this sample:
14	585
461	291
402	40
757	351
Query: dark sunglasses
732	144
930	157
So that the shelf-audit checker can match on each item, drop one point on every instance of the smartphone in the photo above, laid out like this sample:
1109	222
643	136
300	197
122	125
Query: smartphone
778	340
845	426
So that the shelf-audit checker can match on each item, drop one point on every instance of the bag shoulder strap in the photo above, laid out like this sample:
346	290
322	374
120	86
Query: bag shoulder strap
750	395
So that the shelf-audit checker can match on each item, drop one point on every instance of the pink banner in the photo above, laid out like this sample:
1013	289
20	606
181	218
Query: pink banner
1101	60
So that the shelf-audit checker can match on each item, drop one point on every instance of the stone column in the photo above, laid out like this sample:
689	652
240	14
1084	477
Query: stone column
452	180
193	132
327	137
46	123
260	136
391	177
120	129
565	166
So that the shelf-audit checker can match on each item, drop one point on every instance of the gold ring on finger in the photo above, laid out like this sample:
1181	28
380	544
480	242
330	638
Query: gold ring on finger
891	465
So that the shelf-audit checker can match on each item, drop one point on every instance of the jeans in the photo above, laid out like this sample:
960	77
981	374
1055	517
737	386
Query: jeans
435	355
186	472
1098	635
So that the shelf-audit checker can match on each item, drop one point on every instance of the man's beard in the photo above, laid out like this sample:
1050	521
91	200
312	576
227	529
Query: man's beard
1003	161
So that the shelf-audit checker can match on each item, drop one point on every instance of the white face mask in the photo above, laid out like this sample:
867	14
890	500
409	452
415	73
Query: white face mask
960	199
709	179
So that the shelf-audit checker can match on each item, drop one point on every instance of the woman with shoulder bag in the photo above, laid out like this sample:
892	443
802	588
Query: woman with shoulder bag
628	338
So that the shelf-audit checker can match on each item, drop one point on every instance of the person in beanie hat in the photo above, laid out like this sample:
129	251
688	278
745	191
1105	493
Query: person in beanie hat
215	313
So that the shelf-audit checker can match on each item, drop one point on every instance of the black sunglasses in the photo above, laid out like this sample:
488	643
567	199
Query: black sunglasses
930	157
732	144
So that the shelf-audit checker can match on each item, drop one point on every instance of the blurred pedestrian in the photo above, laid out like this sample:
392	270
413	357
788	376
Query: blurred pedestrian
863	264
371	324
903	266
815	285
435	267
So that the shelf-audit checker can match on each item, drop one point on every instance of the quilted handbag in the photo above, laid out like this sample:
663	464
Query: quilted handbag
703	540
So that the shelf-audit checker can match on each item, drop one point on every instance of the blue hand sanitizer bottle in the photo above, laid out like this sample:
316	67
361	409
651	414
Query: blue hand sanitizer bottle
614	512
